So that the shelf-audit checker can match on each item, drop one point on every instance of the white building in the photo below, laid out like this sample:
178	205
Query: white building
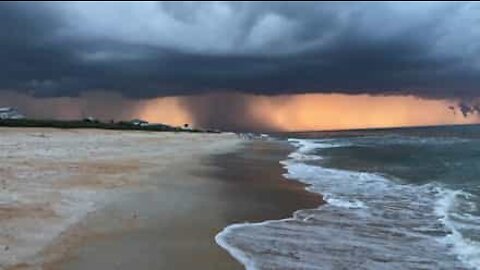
10	113
139	122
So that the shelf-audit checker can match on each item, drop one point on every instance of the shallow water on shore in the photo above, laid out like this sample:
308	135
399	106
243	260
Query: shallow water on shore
381	213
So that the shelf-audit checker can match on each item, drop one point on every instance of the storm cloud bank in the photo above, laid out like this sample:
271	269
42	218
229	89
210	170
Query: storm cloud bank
142	50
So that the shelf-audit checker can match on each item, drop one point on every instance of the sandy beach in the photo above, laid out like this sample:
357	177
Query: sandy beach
96	199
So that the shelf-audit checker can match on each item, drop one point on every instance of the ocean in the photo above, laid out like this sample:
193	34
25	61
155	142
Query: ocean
396	199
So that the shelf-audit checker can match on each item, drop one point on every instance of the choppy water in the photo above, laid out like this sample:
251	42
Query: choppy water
399	199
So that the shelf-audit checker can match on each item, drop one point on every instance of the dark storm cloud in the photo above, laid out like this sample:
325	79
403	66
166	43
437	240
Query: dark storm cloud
469	107
233	108
154	49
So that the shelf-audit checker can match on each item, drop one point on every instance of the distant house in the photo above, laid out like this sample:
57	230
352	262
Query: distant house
139	122
90	119
10	113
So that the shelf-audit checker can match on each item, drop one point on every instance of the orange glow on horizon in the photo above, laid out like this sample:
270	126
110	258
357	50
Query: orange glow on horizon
316	111
339	111
296	112
167	110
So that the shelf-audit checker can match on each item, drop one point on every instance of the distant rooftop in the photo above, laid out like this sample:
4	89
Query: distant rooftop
10	113
6	109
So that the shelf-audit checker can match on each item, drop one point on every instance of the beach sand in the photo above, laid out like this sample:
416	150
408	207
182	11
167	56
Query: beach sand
96	199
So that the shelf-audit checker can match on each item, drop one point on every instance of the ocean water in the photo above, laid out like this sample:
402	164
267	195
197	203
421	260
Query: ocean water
396	199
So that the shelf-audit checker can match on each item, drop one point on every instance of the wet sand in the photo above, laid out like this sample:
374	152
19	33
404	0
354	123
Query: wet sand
254	186
164	214
177	223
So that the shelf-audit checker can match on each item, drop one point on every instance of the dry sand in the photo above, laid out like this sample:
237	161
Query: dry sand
96	199
53	183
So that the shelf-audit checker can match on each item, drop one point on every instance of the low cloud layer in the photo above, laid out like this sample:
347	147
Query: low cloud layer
154	49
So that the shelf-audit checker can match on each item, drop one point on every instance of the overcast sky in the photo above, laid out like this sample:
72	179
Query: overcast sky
155	49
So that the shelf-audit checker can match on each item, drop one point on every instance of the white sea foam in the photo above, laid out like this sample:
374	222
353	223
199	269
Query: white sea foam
384	224
303	157
237	253
346	203
306	146
467	251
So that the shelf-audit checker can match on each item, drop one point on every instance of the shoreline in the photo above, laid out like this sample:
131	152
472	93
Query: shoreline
383	223
254	175
234	199
159	208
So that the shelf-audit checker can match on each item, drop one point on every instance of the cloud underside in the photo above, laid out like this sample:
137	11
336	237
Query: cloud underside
156	49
